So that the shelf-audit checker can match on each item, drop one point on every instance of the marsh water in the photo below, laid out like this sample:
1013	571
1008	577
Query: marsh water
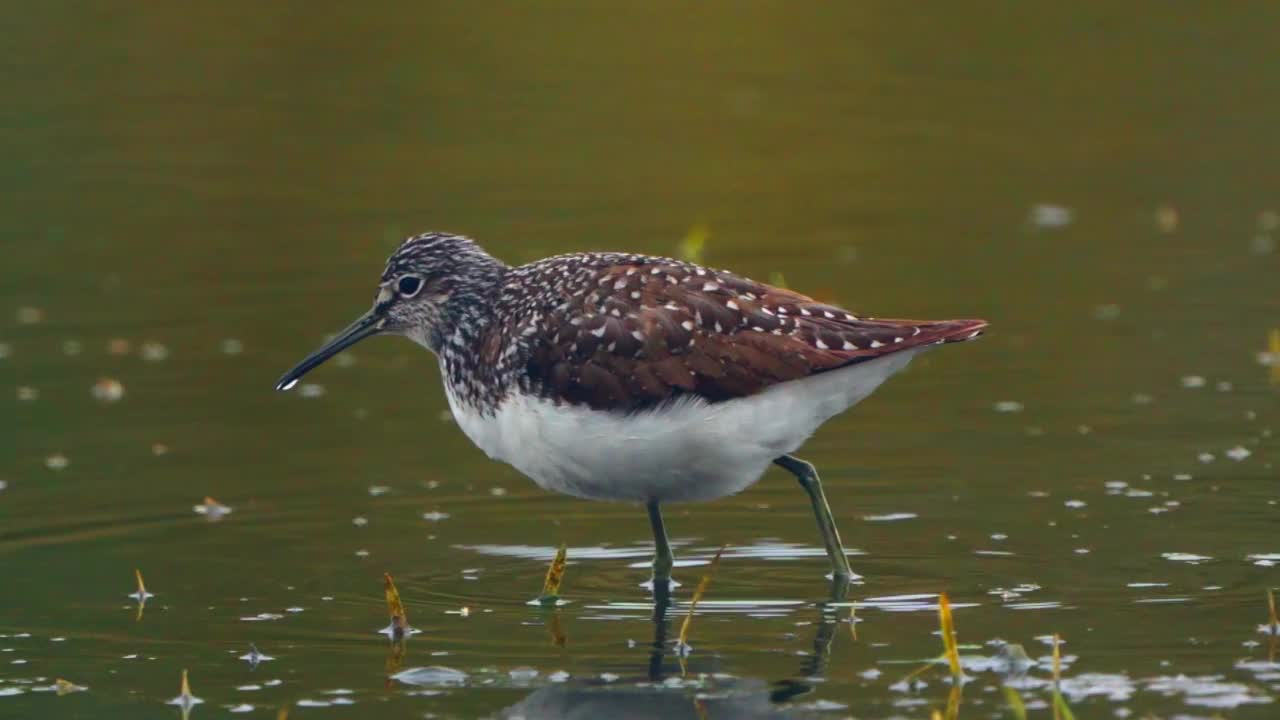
193	197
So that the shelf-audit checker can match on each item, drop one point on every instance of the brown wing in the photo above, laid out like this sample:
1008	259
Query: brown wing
652	329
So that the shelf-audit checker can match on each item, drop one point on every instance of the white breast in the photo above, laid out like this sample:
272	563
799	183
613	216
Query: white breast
686	450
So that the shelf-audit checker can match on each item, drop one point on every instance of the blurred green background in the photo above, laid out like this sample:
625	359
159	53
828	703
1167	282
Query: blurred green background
194	194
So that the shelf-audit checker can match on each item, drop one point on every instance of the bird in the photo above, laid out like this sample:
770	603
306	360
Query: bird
628	377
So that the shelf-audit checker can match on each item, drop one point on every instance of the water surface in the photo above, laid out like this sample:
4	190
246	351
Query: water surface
194	198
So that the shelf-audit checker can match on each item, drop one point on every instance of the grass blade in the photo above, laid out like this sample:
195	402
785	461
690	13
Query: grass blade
555	575
682	645
395	608
1017	708
949	646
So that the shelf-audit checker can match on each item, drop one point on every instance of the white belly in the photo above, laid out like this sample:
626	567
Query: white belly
686	450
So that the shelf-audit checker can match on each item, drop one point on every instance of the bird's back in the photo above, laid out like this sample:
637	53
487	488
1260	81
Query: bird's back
623	332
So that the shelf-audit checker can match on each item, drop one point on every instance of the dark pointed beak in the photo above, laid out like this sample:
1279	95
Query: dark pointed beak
369	324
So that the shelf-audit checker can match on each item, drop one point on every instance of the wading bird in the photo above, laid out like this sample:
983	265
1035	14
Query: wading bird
614	376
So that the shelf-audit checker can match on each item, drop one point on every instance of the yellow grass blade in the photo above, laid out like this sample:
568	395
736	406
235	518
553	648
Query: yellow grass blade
694	243
1273	352
554	627
399	620
703	584
1274	620
1016	707
62	686
142	588
555	576
853	622
949	636
1060	709
1057	659
953	703
185	691
682	645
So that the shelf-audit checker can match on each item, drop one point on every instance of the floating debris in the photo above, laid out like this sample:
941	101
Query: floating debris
1193	381
27	393
71	348
212	509
1166	219
159	449
1107	312
890	517
57	461
682	645
107	390
152	351
693	246
550	595
1075	504
344	360
1238	453
311	390
360	521
435	516
379	490
63	686
3	484
231	346
1008	406
118	346
1189	558
30	315
434	676
1205	457
1051	217
185	699
253	657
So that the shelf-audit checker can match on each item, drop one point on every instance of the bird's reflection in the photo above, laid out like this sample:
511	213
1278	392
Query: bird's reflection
661	697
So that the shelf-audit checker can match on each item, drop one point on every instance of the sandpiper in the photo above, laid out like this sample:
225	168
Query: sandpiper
614	376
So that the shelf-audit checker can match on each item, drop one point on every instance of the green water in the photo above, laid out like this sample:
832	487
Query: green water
193	181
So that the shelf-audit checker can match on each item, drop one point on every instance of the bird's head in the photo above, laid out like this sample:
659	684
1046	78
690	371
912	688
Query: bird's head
428	285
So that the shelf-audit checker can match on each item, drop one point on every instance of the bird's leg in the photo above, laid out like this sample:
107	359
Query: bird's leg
808	477
662	560
661	604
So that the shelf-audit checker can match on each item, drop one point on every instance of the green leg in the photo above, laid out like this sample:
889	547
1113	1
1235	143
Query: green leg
662	559
808	477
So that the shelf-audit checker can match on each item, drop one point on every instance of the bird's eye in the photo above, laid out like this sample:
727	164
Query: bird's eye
409	285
